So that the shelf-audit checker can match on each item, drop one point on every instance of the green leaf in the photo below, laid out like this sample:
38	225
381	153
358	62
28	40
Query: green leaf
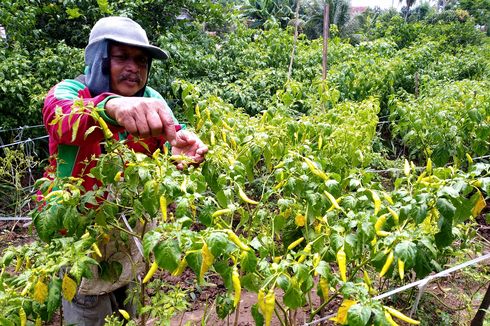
167	254
323	269
445	236
250	282
249	262
194	260
283	282
422	263
406	251
54	296
150	198
73	13
358	315
224	305
150	240
219	244
257	316
294	298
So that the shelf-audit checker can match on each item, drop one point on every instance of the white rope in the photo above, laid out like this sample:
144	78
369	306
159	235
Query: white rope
29	140
21	128
137	241
15	218
421	283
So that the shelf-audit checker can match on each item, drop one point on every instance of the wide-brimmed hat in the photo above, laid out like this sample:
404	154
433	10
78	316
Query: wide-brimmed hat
124	30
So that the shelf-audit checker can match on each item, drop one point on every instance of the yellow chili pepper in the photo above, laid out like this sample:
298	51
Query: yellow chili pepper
294	244
377	202
124	313
342	262
236	240
22	317
401	316
401	268
387	265
117	177
316	171
180	269
270	302
306	251
151	271
96	249
207	260
261	300
18	265
198	111
332	199
429	166
389	319
237	287
324	287
395	215
107	132
221	212
378	226
163	207
367	279
406	168
245	198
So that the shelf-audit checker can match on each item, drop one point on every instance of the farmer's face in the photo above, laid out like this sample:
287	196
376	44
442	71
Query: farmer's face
129	69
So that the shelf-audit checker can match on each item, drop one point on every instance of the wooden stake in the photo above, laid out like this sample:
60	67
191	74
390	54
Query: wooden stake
295	39
326	31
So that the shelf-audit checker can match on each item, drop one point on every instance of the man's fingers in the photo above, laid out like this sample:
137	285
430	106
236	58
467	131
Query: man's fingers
168	126
130	125
154	123
142	125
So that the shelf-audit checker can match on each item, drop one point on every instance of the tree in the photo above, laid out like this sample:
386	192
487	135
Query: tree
408	5
339	15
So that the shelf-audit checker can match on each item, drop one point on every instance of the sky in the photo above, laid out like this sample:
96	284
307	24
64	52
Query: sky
383	4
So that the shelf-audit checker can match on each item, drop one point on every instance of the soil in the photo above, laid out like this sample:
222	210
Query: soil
456	296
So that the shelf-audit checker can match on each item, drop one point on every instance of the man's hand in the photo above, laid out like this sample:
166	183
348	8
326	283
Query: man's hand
143	117
188	144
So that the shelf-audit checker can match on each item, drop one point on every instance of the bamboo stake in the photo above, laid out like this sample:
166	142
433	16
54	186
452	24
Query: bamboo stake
295	39
326	31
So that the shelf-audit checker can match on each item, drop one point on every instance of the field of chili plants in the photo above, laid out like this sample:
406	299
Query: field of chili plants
340	188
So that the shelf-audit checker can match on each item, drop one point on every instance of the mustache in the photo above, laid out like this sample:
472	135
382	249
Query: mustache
129	76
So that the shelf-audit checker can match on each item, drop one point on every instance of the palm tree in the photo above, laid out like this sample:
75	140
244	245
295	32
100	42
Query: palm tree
408	4
259	11
339	15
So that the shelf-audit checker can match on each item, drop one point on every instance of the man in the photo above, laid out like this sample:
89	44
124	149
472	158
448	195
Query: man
118	59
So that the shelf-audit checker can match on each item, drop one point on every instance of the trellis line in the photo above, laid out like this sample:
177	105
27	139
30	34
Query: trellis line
24	141
421	284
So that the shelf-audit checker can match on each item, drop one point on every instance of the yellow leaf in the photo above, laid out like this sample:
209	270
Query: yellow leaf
40	292
479	206
341	317
68	287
